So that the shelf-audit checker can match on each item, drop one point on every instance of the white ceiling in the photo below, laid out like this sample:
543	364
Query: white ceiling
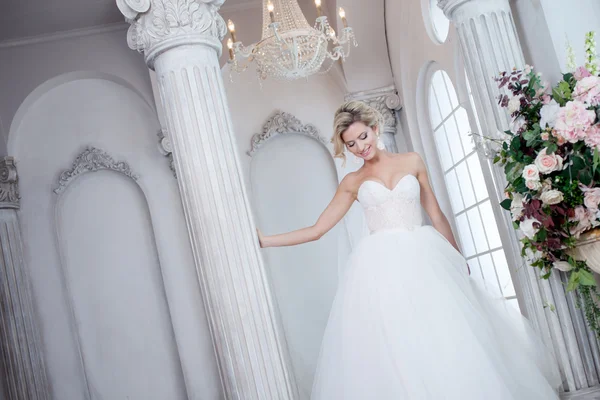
26	18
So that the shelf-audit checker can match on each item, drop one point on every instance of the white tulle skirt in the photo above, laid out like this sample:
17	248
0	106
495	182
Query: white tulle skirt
409	323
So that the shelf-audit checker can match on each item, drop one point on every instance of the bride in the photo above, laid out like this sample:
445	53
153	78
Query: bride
407	321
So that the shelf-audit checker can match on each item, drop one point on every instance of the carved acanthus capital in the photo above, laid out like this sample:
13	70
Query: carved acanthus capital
384	100
158	25
470	8
9	183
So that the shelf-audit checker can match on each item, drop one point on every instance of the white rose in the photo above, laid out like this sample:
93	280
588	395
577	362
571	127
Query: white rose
531	173
547	163
514	104
516	206
528	228
551	197
549	112
533	185
562	266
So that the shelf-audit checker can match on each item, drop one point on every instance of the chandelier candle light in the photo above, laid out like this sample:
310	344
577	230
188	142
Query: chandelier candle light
290	48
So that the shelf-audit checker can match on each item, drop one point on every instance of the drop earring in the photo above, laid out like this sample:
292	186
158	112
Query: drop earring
380	144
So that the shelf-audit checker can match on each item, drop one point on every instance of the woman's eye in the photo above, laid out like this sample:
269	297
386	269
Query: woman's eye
363	136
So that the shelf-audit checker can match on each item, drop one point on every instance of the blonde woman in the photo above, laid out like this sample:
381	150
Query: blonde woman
407	322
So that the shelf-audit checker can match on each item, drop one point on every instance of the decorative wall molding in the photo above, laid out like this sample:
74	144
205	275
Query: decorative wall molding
241	6
90	160
166	148
157	25
281	123
9	187
96	30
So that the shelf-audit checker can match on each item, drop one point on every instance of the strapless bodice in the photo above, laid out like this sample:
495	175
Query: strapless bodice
399	208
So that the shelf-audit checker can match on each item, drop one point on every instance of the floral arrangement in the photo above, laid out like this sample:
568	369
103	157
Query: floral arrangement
552	164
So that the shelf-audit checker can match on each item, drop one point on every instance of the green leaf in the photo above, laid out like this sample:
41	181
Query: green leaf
551	149
515	144
586	278
506	204
568	76
496	159
541	235
573	281
546	276
550	306
596	160
585	177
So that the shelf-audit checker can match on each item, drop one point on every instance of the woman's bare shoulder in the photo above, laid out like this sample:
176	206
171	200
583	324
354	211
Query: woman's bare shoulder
352	181
409	161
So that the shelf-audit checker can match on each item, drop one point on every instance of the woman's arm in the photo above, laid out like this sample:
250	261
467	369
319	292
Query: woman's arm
335	211
430	203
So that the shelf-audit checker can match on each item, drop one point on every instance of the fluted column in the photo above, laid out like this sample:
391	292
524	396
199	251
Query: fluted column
387	102
20	345
490	44
181	41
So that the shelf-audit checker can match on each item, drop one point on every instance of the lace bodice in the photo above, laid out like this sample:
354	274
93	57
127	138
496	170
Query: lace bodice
399	208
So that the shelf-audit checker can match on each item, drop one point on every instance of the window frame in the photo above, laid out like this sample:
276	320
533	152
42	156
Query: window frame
431	152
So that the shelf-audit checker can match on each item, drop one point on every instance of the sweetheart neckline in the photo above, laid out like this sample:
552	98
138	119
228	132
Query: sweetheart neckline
383	185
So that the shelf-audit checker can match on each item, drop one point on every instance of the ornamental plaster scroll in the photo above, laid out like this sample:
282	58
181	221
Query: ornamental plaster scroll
282	123
156	23
166	148
9	184
91	160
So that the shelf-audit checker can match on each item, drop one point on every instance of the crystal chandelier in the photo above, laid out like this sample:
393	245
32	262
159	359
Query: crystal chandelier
290	48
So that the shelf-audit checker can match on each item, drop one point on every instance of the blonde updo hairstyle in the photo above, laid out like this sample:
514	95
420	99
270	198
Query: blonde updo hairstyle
347	114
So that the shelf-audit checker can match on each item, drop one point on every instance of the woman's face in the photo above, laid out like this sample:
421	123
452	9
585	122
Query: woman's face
361	140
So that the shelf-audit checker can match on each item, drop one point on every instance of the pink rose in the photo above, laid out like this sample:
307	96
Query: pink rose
547	163
531	173
592	137
573	120
584	220
587	90
545	135
581	73
591	198
533	185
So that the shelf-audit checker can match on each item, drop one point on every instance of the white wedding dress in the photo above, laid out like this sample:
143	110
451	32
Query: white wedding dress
409	323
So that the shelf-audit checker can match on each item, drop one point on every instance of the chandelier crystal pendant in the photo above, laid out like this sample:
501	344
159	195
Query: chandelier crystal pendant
290	48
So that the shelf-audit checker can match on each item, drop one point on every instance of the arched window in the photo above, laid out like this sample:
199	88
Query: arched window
438	26
464	178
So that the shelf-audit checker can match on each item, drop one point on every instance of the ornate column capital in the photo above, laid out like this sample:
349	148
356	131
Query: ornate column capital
9	188
159	25
456	10
385	100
